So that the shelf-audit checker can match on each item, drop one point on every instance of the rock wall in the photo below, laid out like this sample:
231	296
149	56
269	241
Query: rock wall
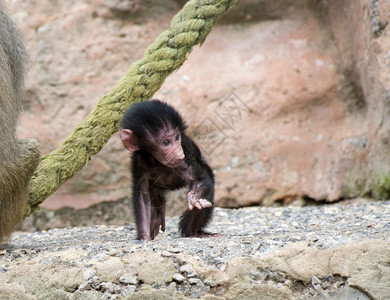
289	100
363	41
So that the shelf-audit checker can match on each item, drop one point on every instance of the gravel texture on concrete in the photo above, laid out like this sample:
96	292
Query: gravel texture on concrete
247	233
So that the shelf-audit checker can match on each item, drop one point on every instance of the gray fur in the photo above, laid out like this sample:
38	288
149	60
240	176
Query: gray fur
18	158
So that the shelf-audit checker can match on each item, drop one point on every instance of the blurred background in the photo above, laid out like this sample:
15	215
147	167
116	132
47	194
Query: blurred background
289	100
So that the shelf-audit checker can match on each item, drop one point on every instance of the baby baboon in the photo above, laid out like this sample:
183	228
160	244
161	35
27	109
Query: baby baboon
18	158
164	159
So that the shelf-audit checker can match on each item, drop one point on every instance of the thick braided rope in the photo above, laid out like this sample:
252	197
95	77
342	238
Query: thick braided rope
144	77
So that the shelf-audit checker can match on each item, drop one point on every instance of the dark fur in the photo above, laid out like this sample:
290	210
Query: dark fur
152	116
18	159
